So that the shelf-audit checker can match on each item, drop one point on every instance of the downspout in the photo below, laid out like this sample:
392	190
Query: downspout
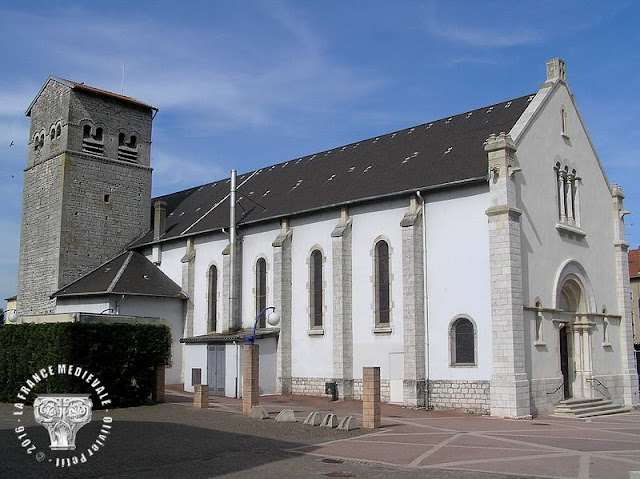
426	297
232	251
237	368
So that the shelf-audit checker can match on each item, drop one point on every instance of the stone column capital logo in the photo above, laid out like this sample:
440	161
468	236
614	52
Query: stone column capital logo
62	416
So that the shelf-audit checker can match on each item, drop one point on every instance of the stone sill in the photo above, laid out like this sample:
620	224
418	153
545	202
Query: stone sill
607	345
539	343
382	330
562	228
315	332
464	365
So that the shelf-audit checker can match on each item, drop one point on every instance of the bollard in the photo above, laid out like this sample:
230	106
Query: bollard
201	396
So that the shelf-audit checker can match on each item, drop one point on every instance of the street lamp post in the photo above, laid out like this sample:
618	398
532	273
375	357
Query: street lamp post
251	362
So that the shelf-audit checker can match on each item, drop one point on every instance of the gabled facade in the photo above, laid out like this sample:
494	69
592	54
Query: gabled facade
467	257
634	278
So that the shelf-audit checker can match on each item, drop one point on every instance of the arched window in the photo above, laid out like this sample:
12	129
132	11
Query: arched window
86	131
261	289
121	139
463	342
213	298
316	303
381	285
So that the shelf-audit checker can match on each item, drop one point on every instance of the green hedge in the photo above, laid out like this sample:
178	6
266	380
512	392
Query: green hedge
124	357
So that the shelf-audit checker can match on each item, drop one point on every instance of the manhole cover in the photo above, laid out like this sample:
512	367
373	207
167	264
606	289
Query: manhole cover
332	461
339	474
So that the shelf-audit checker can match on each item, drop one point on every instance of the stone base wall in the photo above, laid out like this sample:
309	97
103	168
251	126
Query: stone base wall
546	394
608	387
460	395
315	387
358	389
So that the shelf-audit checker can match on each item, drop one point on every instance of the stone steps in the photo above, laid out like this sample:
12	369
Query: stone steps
588	407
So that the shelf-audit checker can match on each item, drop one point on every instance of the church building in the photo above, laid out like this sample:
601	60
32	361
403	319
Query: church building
479	260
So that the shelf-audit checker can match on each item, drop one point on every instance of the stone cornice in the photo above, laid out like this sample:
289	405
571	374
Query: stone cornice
504	210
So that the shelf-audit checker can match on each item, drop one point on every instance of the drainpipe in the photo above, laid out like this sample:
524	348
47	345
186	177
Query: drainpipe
426	295
237	367
232	251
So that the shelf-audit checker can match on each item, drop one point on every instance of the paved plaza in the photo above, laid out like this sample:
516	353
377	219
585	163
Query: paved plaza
174	440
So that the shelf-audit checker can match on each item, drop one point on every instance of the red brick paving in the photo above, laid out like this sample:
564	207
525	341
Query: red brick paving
607	447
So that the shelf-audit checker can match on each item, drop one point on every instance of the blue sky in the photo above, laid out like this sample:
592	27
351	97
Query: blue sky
243	84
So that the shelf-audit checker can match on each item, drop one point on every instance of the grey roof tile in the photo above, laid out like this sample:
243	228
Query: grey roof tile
435	154
128	273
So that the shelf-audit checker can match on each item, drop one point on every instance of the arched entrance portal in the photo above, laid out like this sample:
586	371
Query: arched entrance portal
574	297
571	302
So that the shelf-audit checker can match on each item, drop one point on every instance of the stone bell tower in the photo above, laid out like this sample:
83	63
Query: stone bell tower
87	186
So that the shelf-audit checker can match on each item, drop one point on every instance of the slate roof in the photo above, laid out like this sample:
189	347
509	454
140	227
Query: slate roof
128	273
436	154
634	263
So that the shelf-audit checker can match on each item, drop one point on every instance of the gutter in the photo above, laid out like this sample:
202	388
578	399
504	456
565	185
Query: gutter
441	186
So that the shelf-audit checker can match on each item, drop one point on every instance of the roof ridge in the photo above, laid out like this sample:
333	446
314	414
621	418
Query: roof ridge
318	153
104	263
120	272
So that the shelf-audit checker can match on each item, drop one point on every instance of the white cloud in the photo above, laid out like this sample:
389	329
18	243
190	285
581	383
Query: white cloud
224	80
508	35
476	60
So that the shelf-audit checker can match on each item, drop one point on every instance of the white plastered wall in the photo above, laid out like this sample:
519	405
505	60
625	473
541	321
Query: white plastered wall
370	223
94	305
458	279
171	265
256	242
168	309
195	357
312	353
209	249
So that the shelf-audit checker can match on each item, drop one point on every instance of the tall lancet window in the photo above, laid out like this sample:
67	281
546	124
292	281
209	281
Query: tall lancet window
213	298
261	290
316	303
382	284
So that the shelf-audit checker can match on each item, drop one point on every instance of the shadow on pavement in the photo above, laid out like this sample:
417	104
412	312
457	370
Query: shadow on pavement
145	450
